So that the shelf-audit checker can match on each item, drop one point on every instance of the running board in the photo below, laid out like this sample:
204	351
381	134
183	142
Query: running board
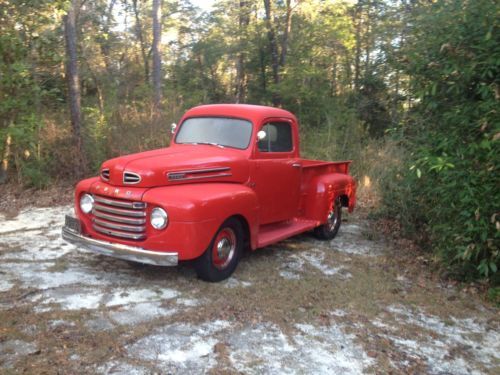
272	233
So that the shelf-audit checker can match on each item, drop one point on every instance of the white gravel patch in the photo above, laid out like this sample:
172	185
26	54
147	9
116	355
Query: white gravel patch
33	218
140	313
34	246
188	302
39	275
292	267
264	349
438	341
258	349
12	350
70	298
233	282
180	347
121	368
5	285
130	296
350	240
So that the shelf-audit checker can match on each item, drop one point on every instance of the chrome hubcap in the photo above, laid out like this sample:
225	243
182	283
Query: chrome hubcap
333	217
224	248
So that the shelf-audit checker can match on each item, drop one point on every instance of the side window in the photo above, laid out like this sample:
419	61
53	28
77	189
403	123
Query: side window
278	138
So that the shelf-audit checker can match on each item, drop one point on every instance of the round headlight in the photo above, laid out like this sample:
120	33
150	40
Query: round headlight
86	203
159	218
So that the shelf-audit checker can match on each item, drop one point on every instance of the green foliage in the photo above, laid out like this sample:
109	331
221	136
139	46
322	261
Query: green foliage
452	175
494	295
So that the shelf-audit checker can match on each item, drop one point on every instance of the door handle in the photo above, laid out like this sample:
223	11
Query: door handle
296	165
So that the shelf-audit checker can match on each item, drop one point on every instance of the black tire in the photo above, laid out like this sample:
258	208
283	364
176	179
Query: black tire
220	259
329	230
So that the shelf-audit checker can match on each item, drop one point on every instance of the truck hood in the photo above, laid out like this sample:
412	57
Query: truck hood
181	164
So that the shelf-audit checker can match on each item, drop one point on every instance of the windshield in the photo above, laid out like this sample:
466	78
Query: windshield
227	132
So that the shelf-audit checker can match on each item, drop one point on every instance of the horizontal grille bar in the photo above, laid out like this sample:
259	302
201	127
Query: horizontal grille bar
119	219
127	228
118	203
117	211
132	236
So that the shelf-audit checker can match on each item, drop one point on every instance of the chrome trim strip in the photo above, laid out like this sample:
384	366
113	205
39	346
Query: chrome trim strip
118	211
130	236
127	228
133	175
117	203
118	219
206	170
201	177
181	175
135	254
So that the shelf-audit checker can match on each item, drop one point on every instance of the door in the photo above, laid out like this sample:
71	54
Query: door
276	171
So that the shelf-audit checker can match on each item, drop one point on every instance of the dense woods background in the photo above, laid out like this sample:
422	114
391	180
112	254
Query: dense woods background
409	89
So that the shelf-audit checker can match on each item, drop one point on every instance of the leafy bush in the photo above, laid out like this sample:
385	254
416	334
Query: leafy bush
450	186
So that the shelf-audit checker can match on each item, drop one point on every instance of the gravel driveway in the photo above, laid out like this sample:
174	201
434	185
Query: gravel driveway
301	306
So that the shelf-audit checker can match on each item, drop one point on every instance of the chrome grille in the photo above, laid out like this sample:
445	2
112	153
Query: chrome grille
131	178
105	174
119	218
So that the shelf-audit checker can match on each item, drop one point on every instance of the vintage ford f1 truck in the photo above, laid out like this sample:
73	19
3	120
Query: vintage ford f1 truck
232	179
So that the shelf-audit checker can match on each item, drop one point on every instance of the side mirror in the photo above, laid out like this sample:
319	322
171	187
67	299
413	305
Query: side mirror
173	127
261	135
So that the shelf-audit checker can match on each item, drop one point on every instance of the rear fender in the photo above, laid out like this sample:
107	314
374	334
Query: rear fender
324	190
205	207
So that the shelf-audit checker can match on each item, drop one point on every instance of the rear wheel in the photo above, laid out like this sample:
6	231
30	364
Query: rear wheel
220	259
329	230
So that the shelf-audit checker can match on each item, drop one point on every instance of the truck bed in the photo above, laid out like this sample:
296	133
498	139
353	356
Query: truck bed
327	166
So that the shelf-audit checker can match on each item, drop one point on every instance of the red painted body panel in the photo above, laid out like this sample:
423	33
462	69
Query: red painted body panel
275	195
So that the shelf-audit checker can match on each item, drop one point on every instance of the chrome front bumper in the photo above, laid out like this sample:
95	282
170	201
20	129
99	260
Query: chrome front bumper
135	254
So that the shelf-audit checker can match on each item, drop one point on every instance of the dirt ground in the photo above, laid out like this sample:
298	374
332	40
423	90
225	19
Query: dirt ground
348	306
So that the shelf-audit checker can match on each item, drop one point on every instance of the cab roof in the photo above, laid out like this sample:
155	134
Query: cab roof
255	113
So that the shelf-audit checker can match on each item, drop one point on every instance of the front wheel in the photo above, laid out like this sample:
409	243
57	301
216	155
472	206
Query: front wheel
220	259
330	229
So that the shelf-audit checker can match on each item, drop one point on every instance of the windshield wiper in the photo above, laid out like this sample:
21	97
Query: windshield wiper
208	143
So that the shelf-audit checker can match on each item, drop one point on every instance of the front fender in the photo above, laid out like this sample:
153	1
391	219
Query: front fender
202	208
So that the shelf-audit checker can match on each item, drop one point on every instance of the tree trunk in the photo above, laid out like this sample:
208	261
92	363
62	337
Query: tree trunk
73	81
262	66
286	34
104	42
4	168
241	78
138	32
273	47
334	75
156	54
357	57
368	40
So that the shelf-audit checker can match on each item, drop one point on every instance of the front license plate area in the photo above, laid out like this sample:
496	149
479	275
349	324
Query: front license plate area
73	224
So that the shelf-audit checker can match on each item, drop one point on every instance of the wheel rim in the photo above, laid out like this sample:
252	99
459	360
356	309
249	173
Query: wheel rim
224	248
333	217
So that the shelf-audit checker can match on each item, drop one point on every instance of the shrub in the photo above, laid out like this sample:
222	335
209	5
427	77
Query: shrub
450	186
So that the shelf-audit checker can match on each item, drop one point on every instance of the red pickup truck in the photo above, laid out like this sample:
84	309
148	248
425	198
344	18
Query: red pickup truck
231	179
